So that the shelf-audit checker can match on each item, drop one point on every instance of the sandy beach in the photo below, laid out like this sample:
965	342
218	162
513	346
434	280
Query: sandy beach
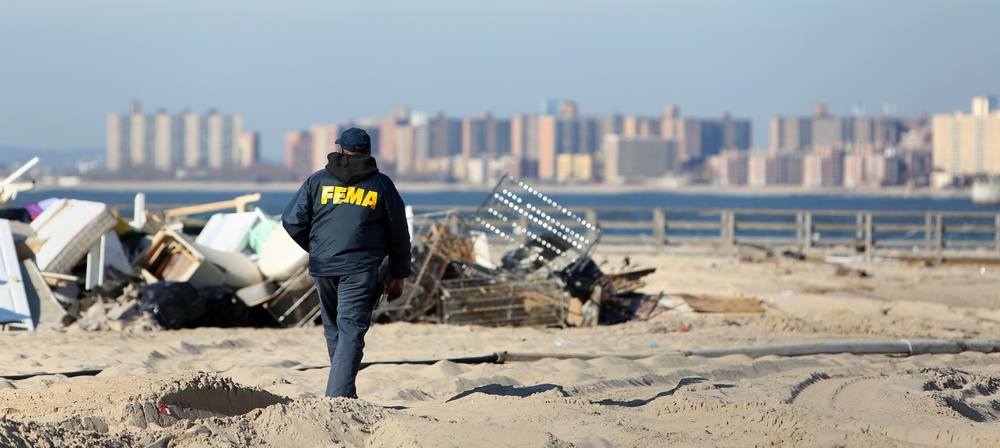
648	383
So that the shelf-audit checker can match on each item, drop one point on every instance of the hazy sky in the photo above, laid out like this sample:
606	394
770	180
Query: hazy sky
65	65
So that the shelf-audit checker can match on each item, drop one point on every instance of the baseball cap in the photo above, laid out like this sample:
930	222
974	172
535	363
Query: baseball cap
355	140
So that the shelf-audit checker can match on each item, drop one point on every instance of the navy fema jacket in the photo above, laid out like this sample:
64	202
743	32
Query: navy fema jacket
348	216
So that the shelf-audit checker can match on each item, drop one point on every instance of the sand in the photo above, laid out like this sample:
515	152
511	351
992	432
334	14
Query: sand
635	384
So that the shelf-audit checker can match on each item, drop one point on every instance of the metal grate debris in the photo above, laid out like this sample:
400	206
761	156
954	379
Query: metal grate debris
553	236
496	302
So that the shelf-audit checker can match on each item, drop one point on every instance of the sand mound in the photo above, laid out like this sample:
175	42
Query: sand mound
199	408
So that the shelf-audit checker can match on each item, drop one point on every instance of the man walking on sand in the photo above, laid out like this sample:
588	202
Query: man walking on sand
349	217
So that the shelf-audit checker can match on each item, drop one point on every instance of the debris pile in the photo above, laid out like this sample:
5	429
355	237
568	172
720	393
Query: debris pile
68	262
78	263
544	275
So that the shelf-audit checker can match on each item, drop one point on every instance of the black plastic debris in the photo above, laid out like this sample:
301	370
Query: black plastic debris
172	304
180	305
15	214
224	309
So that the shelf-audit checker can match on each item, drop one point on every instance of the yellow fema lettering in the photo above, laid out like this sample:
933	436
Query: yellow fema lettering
348	195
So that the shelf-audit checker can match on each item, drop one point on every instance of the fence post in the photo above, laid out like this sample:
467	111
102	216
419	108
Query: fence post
728	218
803	230
938	234
799	232
996	234
869	238
859	229
723	227
928	231
809	230
659	228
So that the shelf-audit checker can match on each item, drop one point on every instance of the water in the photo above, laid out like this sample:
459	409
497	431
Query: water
273	202
687	207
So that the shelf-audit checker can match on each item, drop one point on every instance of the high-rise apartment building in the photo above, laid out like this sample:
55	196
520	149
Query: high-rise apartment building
823	130
968	144
636	126
887	131
823	168
700	138
545	146
249	147
524	144
548	132
130	139
390	129
222	132
575	167
524	137
420	145
405	148
191	138
139	148
829	131
765	168
166	142
486	136
730	167
863	169
299	154
446	136
545	137
324	138
790	134
637	159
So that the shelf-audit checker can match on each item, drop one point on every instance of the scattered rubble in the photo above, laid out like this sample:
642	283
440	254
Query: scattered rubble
78	264
545	275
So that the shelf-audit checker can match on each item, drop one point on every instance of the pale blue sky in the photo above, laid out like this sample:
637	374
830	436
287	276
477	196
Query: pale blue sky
64	65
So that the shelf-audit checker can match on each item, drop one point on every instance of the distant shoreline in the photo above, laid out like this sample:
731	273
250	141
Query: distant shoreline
423	187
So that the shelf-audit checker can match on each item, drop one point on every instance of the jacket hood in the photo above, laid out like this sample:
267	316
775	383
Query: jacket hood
351	169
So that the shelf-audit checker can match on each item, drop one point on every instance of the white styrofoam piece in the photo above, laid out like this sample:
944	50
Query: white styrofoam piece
114	253
281	256
106	252
238	269
13	297
228	232
481	249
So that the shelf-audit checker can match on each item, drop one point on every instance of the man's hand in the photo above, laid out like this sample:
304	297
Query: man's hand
395	289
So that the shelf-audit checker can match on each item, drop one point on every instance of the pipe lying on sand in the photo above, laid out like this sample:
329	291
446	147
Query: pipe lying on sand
903	347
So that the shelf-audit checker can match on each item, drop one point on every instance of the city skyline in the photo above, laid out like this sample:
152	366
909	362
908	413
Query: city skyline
68	65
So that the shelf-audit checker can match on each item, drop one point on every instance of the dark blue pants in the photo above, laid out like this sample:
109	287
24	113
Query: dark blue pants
346	303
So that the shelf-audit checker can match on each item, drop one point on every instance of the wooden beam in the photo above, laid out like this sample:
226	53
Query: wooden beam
238	203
